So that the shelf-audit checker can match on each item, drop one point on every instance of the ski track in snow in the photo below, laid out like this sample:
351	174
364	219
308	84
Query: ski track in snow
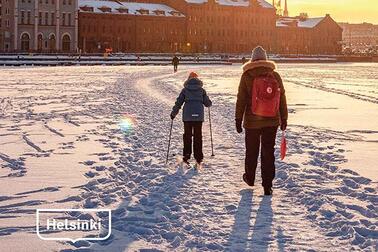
362	97
316	205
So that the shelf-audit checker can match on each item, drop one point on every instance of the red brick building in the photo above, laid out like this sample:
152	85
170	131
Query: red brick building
233	26
198	26
303	35
130	27
227	25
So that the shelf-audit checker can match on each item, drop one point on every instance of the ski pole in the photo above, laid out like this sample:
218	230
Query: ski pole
211	135
169	141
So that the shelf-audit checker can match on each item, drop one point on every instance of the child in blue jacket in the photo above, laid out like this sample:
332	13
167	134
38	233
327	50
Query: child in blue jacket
195	98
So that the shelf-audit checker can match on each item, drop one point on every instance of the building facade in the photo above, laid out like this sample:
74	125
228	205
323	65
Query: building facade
228	26
39	25
162	26
6	25
358	37
130	27
304	35
197	26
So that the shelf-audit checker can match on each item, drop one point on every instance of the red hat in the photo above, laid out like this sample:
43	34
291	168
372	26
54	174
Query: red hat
193	75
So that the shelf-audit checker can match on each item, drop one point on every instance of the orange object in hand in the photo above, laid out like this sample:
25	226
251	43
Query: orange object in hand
283	146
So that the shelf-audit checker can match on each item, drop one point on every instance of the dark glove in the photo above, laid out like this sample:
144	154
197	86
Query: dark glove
239	128
283	125
172	116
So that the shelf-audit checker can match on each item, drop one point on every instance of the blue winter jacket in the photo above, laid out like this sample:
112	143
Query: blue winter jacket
194	97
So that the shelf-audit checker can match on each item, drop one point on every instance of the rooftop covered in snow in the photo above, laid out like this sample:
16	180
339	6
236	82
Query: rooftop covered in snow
299	22
131	8
244	3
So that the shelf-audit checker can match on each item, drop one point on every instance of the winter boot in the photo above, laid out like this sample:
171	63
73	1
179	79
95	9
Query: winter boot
247	181
268	191
198	164
185	161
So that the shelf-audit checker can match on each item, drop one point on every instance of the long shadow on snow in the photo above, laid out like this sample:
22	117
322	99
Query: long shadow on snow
261	231
150	218
241	227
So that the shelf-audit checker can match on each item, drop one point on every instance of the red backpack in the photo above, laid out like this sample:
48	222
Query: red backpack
266	94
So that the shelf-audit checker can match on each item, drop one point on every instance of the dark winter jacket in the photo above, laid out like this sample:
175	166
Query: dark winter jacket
195	98
175	61
244	100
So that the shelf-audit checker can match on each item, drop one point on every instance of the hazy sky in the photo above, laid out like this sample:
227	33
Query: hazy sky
355	11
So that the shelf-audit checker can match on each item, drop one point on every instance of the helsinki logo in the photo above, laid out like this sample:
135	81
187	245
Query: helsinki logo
73	224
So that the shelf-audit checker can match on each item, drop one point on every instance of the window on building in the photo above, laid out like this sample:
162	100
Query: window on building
52	18
69	19
40	40
64	2
28	18
69	2
52	1
64	19
159	12
25	42
123	10
22	17
47	1
52	43
66	43
40	18
46	18
6	11
143	11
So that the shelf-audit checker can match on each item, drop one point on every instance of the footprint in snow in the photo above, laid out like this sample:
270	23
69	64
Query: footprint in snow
91	174
88	162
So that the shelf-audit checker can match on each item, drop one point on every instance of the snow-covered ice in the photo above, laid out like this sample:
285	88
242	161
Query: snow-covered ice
95	137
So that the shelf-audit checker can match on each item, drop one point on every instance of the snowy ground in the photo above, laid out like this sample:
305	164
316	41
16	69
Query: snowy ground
85	137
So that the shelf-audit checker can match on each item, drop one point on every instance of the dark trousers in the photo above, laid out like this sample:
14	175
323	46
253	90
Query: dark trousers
193	130
175	68
267	138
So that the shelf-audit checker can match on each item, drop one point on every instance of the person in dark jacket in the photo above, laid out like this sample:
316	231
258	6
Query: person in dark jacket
175	63
259	130
195	98
244	60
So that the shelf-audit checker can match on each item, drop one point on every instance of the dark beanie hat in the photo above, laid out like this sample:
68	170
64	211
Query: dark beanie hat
259	54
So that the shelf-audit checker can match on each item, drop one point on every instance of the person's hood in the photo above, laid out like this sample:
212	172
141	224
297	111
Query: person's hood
250	65
193	84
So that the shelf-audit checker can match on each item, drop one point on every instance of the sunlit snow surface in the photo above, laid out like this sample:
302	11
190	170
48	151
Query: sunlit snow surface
87	137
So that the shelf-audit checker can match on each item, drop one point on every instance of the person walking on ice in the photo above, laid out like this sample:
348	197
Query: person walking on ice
175	63
261	104
194	98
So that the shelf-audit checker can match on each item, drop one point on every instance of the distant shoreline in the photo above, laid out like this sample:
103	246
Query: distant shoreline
161	59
